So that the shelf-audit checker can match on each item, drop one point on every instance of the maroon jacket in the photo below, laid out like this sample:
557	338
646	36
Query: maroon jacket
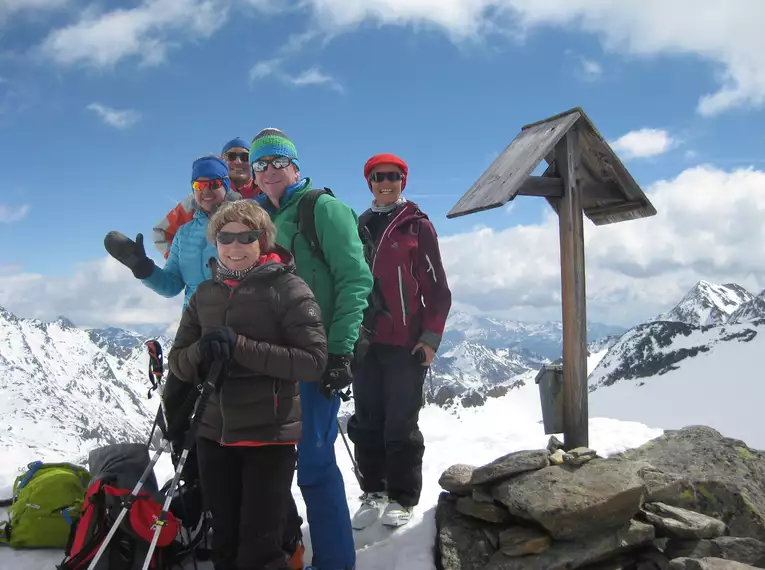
410	278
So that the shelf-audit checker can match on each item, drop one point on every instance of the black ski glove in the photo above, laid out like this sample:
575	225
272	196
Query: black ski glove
217	344
129	253
337	375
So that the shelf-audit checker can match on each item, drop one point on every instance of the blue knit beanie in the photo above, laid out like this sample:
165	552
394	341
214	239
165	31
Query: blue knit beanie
238	142
211	167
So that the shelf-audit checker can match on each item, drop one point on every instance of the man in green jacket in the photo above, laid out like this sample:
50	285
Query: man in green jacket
341	284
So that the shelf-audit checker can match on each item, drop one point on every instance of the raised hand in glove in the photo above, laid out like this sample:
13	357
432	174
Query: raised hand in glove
129	253
337	375
217	344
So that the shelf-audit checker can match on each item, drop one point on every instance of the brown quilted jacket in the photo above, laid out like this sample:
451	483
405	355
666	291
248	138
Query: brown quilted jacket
281	342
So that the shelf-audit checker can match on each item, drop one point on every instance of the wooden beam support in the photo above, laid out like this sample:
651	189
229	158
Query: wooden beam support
542	186
573	293
610	210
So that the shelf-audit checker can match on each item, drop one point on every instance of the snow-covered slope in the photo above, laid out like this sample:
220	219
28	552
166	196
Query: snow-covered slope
672	375
707	304
61	393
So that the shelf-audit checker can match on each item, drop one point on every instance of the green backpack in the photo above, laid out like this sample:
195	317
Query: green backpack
46	500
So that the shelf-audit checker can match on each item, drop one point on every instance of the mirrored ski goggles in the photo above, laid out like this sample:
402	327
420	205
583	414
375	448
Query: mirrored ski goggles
279	162
244	238
381	176
242	156
203	185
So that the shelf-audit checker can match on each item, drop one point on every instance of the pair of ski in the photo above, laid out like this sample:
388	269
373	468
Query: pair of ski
211	384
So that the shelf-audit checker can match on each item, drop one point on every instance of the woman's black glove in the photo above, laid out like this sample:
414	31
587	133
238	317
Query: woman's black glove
129	253
217	344
337	375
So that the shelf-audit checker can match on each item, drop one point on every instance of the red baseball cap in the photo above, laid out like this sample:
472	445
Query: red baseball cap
386	159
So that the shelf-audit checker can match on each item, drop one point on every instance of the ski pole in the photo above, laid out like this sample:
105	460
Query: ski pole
356	471
212	383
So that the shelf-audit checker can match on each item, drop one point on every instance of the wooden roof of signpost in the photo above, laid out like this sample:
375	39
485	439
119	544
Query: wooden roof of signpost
609	193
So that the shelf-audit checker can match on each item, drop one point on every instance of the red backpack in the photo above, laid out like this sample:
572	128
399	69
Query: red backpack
128	548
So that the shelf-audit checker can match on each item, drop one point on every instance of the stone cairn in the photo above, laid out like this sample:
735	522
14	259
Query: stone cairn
553	510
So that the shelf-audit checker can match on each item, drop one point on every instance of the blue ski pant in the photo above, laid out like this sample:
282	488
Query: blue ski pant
321	482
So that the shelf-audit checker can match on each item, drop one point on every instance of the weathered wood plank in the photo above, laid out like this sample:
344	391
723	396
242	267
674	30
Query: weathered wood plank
502	180
543	186
573	293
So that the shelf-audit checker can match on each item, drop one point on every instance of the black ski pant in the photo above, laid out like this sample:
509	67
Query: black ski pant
248	490
388	395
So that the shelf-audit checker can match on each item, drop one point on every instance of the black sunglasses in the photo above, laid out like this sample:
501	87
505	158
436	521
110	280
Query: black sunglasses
242	237
232	156
381	176
279	162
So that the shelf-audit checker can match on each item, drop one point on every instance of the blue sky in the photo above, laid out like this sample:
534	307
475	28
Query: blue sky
103	109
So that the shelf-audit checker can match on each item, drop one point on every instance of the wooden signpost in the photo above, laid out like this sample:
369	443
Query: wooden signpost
583	178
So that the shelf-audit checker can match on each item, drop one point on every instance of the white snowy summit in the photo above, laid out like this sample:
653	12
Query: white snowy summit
674	373
707	304
62	394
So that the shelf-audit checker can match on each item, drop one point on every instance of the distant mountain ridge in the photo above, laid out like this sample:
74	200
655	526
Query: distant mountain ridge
708	316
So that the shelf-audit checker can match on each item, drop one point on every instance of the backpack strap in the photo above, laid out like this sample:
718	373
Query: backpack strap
307	221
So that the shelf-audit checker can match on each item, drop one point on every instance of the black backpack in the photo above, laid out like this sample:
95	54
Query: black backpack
307	227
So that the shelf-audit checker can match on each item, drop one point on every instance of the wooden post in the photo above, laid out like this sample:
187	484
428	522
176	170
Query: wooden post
573	293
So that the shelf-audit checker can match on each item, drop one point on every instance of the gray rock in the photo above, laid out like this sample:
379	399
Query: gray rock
707	564
727	478
488	512
675	522
579	456
482	496
554	444
462	543
568	555
456	479
510	465
520	541
571	503
745	550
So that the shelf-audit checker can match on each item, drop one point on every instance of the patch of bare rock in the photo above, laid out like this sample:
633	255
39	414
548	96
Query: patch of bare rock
690	499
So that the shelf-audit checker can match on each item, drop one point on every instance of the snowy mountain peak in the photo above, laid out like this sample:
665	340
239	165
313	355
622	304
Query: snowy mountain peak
65	323
708	304
62	393
752	310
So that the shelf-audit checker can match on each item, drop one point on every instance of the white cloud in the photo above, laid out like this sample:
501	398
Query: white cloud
117	118
727	34
643	143
275	68
708	226
591	68
147	31
10	214
97	293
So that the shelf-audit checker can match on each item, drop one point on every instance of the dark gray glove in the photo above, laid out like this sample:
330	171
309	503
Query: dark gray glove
129	253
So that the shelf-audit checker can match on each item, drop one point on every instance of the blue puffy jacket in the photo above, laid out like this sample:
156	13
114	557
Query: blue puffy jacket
186	265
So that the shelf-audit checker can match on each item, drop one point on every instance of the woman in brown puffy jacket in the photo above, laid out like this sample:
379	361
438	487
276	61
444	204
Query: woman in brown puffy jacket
263	321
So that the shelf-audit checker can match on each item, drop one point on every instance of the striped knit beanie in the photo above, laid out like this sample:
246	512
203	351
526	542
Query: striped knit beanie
273	142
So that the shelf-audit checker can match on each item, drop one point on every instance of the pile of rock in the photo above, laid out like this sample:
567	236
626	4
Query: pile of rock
690	499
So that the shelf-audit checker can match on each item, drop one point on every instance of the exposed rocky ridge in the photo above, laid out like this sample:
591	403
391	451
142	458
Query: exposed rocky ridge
690	499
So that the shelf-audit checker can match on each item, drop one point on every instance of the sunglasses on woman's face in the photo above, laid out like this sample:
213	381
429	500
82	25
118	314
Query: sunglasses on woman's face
203	185
232	156
244	238
279	162
381	176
